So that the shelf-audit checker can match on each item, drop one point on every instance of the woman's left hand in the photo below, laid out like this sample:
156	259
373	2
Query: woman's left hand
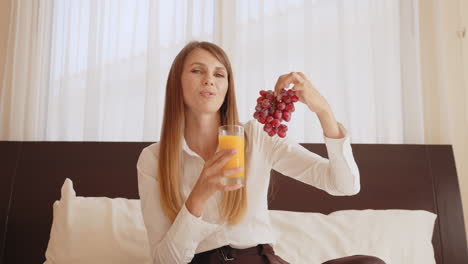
304	90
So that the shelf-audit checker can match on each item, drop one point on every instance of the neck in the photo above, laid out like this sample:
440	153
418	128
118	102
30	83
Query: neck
201	132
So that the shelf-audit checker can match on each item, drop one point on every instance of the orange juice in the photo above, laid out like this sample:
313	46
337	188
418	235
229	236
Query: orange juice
233	142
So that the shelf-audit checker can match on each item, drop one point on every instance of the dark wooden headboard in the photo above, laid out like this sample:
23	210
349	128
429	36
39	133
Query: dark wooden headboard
392	177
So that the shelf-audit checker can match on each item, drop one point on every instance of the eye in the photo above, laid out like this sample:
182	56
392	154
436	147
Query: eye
220	75
195	71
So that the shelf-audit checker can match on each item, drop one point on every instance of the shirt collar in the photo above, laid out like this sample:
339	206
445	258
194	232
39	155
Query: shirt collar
187	149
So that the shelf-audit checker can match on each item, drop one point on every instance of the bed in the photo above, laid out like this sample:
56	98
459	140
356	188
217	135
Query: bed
407	177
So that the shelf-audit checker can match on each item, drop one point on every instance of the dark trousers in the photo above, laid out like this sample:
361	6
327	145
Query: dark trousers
356	259
264	254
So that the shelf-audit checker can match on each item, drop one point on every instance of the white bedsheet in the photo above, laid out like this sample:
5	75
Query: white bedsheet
395	236
103	230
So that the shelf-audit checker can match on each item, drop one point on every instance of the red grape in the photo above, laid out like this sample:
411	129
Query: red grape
283	128
290	107
269	119
281	133
272	133
277	114
266	103
256	115
271	110
281	106
275	123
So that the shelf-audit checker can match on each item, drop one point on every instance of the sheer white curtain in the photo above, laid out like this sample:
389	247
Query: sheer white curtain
360	54
96	70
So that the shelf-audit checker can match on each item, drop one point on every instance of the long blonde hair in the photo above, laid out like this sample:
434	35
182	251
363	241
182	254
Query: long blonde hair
234	203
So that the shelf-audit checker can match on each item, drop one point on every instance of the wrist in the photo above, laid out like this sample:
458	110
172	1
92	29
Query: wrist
329	124
195	205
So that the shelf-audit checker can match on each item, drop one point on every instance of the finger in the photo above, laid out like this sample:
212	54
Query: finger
302	75
299	82
231	172
286	80
278	86
292	78
304	79
217	156
223	160
228	188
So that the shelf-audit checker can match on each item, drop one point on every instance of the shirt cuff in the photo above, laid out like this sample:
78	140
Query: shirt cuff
342	160
336	144
188	231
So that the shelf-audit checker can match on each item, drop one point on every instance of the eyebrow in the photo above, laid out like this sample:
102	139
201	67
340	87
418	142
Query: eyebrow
202	64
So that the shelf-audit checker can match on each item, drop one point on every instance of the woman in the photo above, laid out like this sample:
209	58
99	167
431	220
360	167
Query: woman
189	215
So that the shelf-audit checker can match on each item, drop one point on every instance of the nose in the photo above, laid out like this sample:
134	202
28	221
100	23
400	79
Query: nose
209	81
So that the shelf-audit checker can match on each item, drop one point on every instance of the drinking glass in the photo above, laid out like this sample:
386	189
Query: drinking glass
232	137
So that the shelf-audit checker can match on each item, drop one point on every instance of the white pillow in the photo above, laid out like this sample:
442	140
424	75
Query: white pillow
103	230
96	230
395	236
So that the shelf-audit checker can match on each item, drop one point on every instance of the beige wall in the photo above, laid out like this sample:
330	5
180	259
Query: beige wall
463	10
5	7
443	56
464	26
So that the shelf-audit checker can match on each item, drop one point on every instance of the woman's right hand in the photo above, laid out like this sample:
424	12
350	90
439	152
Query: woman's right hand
209	181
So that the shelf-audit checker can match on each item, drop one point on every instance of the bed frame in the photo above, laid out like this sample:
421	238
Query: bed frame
392	177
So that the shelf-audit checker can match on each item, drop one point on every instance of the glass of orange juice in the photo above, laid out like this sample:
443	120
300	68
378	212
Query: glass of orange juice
232	137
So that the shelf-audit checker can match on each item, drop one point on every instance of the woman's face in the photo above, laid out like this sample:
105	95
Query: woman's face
204	82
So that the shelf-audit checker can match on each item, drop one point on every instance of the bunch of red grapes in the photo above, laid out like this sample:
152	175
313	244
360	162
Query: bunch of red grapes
271	112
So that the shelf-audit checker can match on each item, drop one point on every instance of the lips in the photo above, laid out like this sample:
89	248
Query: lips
208	94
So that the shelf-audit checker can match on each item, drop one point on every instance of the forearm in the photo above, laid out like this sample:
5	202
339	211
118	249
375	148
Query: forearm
329	124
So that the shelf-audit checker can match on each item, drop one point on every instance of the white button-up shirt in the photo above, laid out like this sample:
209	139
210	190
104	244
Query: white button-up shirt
188	235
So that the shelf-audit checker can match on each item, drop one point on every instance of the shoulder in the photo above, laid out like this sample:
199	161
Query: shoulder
148	157
150	151
252	128
254	133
